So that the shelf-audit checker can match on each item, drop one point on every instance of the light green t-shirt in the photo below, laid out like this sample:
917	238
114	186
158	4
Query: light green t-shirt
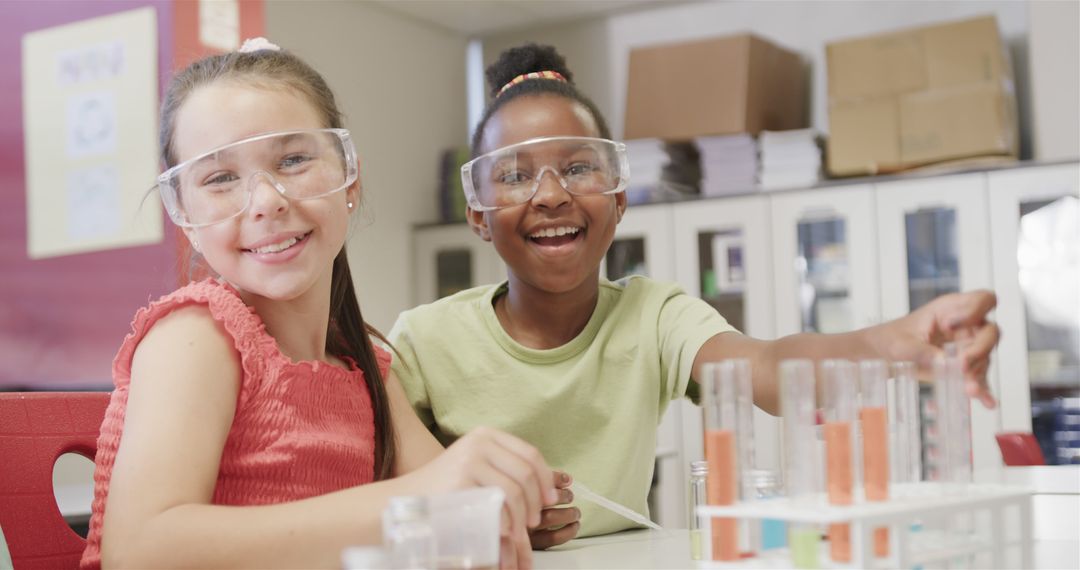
590	406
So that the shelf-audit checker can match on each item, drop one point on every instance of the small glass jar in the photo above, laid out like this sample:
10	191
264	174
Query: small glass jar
699	470
767	486
407	534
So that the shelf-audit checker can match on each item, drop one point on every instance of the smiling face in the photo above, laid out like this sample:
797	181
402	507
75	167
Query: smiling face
277	248
556	241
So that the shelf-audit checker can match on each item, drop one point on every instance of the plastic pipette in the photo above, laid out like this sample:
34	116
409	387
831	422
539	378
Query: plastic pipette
582	492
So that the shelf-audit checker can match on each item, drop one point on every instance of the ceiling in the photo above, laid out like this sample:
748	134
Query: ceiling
484	17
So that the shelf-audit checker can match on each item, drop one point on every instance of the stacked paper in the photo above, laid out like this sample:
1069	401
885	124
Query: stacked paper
789	159
729	164
660	171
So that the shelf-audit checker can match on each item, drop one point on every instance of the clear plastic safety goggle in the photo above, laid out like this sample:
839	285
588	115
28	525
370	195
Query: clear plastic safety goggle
217	185
512	175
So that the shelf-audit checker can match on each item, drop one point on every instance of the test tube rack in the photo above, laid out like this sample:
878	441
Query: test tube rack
932	525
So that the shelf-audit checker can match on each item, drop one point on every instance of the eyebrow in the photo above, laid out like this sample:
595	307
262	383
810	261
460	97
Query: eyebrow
223	153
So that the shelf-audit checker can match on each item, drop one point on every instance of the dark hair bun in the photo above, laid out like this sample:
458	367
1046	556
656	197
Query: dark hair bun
525	59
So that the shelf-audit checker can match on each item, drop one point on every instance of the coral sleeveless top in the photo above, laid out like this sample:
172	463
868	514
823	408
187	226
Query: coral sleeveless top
300	429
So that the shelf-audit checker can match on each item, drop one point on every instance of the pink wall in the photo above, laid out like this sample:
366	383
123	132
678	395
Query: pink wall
62	319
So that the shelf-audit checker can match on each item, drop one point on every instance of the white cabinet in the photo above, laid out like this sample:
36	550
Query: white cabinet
1035	278
449	258
932	240
723	254
825	260
642	246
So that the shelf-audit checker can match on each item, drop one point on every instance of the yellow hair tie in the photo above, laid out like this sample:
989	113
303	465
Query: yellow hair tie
532	75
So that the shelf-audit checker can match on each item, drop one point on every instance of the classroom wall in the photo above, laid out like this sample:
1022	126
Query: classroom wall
62	318
401	84
1055	79
598	49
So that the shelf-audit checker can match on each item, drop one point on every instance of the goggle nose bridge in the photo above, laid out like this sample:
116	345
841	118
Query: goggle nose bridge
558	178
251	183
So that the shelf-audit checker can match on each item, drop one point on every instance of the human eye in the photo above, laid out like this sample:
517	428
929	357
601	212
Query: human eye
293	161
511	177
581	168
219	181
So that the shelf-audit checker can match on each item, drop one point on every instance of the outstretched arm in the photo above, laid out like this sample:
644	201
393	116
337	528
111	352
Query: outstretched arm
918	336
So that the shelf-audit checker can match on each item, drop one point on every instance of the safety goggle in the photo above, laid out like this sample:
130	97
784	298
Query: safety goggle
217	185
512	175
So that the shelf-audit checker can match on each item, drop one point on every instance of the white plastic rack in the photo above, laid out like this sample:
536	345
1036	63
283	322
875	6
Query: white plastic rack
931	525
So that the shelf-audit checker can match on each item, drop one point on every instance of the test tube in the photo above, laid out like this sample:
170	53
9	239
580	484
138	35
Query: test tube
875	440
797	405
722	453
906	444
737	370
838	377
953	416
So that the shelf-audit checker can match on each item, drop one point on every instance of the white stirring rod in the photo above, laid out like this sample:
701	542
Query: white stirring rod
583	492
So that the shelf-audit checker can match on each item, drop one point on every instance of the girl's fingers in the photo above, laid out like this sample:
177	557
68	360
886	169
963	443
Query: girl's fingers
557	517
544	539
969	309
518	470
487	475
982	342
507	554
543	474
524	549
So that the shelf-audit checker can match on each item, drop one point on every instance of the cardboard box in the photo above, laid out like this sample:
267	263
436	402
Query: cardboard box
729	85
920	96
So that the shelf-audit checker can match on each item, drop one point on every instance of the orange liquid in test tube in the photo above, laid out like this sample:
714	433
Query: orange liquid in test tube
839	484
875	426
721	488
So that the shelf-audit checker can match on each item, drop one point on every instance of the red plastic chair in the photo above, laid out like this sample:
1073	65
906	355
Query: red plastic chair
1020	448
36	428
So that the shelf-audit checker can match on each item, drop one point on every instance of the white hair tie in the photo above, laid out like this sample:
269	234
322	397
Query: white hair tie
257	44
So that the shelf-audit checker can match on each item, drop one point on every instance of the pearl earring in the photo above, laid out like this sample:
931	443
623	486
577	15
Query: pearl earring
349	204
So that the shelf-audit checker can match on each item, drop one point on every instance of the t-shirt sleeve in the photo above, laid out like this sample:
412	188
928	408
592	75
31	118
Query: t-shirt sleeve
685	324
406	366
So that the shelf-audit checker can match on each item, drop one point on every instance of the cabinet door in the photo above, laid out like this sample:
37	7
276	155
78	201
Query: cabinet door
932	238
723	254
825	272
1033	213
642	246
451	258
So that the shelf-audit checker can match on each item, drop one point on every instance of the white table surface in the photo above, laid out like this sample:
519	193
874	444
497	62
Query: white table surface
629	549
671	549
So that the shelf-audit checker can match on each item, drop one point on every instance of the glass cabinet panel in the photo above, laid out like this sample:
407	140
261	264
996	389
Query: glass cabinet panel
626	257
824	280
932	262
453	271
1048	268
723	274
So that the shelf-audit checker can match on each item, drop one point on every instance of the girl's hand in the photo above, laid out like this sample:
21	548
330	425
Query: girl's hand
486	457
558	524
957	317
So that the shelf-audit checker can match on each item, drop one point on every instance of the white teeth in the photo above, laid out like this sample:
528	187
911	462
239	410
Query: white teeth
276	247
553	232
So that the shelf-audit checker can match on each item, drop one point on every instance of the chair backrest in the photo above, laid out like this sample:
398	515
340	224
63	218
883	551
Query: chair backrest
36	428
1020	448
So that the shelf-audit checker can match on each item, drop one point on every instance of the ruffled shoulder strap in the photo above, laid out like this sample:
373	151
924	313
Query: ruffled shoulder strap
240	322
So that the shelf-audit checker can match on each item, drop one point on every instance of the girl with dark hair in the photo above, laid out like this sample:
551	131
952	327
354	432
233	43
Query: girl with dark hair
253	422
579	366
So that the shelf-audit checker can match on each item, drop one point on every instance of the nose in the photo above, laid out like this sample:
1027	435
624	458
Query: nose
267	198
550	192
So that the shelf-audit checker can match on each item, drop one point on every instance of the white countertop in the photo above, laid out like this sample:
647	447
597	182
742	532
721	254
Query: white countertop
668	549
